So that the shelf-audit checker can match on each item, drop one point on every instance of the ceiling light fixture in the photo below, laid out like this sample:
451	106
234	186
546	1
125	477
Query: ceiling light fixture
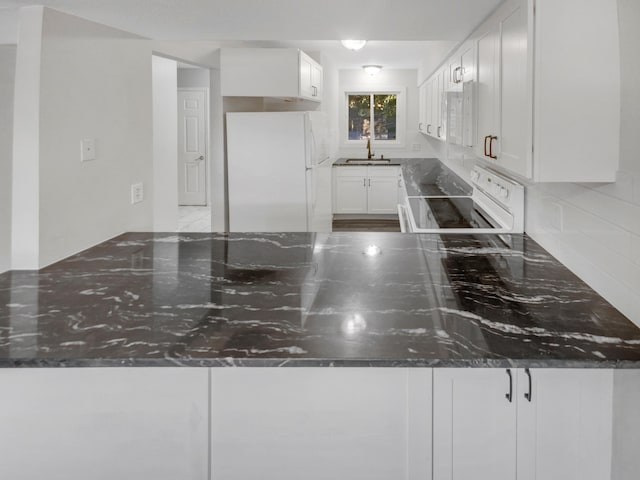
354	44
372	69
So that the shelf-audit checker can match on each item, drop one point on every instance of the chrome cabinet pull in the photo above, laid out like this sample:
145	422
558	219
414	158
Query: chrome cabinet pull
527	395
510	394
429	129
485	146
364	182
439	131
369	182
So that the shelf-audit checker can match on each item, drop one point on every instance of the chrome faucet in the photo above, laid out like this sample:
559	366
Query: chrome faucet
369	154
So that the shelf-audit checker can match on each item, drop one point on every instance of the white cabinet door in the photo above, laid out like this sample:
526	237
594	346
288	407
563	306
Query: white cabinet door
383	194
468	64
306	66
316	80
513	146
320	423
350	191
474	424
423	105
565	431
487	90
430	127
104	423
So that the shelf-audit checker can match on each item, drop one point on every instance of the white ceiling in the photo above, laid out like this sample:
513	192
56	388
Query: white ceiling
400	31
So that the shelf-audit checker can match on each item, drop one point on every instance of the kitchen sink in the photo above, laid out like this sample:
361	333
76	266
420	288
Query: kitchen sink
367	161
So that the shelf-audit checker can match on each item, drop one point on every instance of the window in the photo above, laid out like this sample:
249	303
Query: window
376	115
377	109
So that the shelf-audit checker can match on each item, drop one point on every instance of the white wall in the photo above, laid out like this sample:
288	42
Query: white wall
7	78
165	144
9	26
407	79
76	79
193	78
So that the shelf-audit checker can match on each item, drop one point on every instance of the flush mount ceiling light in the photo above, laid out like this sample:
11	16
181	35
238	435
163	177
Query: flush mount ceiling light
372	69
354	44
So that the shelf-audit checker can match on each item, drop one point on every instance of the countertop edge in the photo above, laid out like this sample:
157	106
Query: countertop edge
315	363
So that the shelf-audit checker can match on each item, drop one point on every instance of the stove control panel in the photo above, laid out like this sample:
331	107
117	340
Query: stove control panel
496	186
501	197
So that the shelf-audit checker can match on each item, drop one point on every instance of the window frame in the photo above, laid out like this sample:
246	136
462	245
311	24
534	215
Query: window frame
401	113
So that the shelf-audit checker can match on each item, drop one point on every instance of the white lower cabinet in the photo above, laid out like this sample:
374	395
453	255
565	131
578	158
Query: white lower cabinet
104	423
560	430
321	423
366	190
565	431
474	424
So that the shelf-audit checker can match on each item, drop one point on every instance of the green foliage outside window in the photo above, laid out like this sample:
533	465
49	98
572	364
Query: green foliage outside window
376	109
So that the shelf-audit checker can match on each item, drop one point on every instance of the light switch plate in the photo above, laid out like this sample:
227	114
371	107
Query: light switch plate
137	193
88	149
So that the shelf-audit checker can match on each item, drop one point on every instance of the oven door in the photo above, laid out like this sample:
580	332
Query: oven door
450	215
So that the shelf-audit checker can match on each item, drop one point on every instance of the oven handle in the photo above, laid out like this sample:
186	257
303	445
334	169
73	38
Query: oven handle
405	226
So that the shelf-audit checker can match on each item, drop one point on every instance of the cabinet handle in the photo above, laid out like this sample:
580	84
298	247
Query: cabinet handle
369	182
510	394
491	139
485	146
439	131
456	76
528	394
364	182
429	129
420	126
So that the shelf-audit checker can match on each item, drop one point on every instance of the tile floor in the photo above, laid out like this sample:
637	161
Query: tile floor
194	219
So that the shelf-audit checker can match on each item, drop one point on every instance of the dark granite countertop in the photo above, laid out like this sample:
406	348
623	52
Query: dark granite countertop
430	177
307	299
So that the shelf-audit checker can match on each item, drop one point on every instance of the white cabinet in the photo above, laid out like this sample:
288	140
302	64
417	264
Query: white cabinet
504	89
310	78
104	423
565	431
366	190
269	72
320	423
423	103
494	423
474	424
569	84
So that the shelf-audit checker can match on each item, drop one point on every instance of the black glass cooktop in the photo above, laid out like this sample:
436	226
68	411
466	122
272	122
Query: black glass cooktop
449	212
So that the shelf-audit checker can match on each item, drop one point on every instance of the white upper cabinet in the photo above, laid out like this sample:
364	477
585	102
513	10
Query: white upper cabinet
577	91
503	89
310	78
546	88
269	72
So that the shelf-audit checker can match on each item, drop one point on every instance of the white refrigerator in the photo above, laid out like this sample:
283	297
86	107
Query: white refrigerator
279	173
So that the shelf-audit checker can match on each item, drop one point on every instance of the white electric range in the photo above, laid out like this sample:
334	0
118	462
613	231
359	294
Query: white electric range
495	206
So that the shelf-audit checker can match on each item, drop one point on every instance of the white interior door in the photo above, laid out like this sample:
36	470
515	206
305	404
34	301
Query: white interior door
192	151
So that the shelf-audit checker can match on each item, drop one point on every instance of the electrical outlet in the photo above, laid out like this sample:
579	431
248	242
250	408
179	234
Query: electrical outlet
87	149
416	147
137	193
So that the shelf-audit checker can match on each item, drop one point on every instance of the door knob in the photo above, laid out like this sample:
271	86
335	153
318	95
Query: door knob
201	157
